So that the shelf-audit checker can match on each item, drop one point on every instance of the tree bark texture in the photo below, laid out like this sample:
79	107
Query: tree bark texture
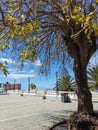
81	50
83	93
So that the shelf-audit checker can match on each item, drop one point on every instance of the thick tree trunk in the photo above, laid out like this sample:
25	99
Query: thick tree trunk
83	93
81	49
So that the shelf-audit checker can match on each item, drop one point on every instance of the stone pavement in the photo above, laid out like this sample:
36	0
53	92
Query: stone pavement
32	112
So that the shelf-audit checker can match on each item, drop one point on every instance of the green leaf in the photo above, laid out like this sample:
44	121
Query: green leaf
3	69
86	30
7	45
88	36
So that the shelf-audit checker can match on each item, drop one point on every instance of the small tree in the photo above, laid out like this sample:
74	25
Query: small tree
65	84
32	86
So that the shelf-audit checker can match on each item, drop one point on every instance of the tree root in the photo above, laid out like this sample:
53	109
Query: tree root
81	121
78	121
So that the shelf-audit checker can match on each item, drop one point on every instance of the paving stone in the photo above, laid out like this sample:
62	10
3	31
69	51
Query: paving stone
32	112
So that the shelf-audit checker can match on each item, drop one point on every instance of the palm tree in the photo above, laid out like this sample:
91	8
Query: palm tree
66	84
32	86
93	77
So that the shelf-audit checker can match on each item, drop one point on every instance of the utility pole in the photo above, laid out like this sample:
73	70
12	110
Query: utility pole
57	83
28	84
14	84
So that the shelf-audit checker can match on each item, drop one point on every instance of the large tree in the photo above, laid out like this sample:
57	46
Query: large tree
55	30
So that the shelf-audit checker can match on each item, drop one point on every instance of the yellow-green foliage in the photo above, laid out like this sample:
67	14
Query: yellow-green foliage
88	21
28	54
4	46
21	31
3	68
21	26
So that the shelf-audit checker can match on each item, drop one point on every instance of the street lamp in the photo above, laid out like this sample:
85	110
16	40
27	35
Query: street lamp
28	84
57	83
14	84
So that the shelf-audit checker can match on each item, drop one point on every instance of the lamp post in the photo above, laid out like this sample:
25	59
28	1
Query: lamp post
57	83
28	84
14	84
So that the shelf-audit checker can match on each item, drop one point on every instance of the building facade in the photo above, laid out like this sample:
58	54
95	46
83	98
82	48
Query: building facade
11	86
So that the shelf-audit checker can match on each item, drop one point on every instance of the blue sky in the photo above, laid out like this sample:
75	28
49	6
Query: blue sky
31	70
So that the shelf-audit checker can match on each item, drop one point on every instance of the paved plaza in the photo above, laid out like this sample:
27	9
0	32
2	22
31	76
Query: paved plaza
32	112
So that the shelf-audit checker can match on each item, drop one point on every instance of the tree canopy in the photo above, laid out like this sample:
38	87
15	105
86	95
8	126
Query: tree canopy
32	86
46	28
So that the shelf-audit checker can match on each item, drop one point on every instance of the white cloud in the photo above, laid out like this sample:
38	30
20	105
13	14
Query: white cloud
37	63
9	61
20	71
17	76
31	71
12	70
